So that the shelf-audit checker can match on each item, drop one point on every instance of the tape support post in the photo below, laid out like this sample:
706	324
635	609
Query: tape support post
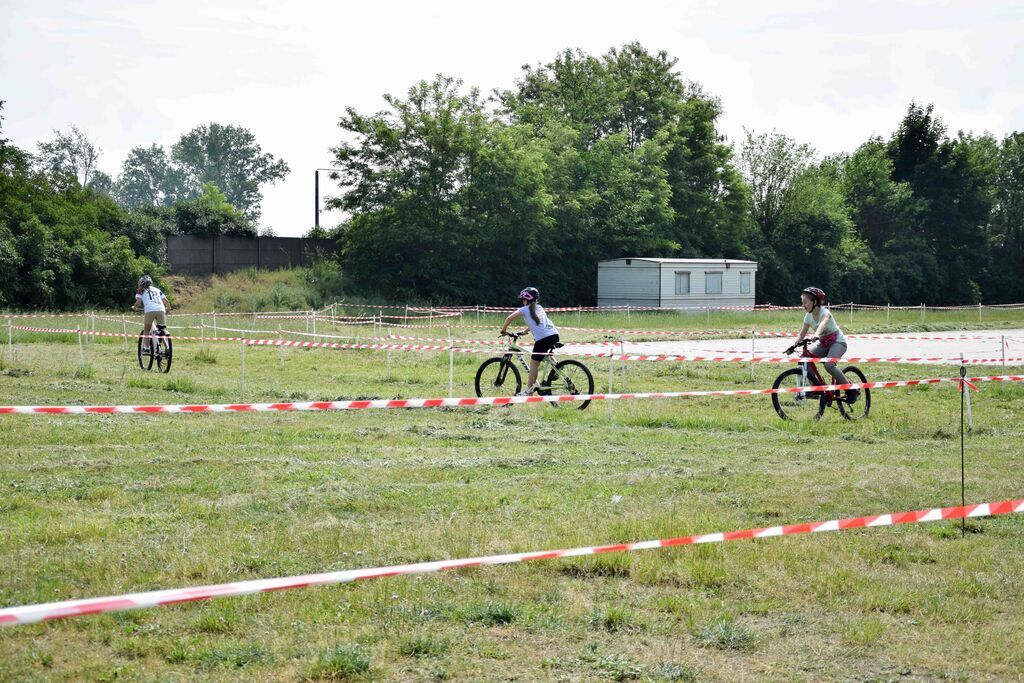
29	614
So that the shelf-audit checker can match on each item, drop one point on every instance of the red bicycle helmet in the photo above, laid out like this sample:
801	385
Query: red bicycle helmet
818	294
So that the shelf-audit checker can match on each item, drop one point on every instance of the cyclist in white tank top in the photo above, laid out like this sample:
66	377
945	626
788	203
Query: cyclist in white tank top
154	304
545	334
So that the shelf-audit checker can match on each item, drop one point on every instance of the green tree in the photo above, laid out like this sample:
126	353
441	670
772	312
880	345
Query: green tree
230	157
69	158
1004	278
211	214
149	178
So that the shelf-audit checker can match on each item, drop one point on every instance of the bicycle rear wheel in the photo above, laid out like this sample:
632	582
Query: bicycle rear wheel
793	404
145	352
498	377
572	378
163	356
860	409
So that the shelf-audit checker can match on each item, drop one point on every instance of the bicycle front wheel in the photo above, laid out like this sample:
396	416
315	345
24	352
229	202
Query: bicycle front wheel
794	404
498	377
570	377
163	355
145	352
860	409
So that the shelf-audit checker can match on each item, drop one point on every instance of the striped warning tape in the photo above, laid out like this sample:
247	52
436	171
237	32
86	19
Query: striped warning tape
367	404
30	614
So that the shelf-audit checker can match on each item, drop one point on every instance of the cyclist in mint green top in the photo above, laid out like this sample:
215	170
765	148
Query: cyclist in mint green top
831	342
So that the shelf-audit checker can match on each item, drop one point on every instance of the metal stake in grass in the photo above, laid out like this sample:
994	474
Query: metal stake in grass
963	497
243	363
10	344
81	353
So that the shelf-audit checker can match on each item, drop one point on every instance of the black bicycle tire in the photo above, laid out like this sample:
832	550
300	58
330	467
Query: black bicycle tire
147	367
163	359
490	361
553	376
853	412
775	397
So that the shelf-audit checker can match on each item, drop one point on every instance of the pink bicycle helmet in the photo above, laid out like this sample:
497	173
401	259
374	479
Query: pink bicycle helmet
530	294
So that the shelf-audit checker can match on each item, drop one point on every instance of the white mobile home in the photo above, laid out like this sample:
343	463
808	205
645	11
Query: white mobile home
676	282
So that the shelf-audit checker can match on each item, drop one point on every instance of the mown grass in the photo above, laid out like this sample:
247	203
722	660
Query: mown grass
102	505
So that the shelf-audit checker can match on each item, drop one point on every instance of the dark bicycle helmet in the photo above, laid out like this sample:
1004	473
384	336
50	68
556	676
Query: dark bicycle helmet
530	294
814	292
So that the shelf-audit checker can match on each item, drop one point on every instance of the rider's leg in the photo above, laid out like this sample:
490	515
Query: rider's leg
835	351
532	381
147	330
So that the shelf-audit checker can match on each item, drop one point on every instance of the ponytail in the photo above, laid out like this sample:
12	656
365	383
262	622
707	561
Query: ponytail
533	312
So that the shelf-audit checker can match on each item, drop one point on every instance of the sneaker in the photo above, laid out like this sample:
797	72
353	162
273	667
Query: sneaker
852	395
527	391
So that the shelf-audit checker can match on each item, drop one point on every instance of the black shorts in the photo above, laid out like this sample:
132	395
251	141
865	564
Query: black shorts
543	347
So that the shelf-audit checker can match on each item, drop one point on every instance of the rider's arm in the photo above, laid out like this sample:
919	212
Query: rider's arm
821	325
135	304
167	304
803	333
508	321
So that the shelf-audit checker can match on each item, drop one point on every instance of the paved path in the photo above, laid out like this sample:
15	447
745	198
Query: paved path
976	344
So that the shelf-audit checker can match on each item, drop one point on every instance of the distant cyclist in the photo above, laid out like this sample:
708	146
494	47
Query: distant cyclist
545	334
154	304
831	342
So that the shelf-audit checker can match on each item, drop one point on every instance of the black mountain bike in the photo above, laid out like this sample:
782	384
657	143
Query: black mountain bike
156	347
501	376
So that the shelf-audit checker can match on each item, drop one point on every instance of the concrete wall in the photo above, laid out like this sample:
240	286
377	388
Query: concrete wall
194	255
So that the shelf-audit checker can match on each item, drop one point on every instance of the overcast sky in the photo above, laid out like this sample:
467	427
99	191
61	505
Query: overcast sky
827	73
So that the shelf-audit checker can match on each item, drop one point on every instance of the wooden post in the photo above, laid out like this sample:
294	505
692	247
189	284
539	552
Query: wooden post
1002	347
124	328
243	364
81	353
611	367
389	353
922	312
451	365
10	343
887	307
622	353
979	311
752	353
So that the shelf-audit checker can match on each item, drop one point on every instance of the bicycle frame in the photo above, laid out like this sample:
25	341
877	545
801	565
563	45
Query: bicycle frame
514	350
812	378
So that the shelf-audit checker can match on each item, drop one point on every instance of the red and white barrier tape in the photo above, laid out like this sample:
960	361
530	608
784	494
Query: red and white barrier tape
936	360
368	404
87	333
30	614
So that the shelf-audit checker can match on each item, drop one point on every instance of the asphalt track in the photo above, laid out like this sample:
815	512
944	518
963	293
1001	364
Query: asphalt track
987	344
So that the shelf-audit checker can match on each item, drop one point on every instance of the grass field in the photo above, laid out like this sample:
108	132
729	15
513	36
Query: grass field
103	505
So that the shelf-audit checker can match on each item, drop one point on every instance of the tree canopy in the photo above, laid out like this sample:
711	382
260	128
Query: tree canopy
455	197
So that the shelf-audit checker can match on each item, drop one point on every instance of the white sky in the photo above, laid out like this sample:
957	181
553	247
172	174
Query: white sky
828	73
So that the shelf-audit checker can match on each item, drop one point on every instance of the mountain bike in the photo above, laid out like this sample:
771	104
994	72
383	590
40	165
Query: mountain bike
810	405
501	376
156	347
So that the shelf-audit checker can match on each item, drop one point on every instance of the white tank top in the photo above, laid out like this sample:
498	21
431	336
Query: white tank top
152	300
541	330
